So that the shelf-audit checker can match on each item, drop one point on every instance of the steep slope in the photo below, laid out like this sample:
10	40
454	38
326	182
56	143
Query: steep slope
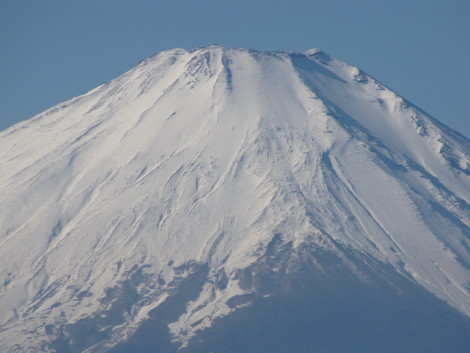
160	195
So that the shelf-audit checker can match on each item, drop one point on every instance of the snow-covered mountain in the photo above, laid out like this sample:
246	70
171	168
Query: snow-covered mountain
188	200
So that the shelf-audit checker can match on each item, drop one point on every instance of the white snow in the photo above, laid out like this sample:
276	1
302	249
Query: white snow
203	156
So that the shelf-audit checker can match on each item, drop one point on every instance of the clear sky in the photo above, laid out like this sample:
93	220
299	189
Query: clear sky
53	50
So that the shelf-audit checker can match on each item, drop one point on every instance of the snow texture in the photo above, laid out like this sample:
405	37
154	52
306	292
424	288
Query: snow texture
204	157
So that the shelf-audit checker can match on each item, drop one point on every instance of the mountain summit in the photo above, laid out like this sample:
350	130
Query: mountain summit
231	200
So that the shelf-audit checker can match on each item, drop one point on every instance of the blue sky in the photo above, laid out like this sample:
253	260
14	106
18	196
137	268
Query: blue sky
53	50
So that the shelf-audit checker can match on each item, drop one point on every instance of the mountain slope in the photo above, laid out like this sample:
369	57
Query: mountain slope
193	167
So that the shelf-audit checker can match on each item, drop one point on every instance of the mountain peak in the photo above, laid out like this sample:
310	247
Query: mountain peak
312	51
203	166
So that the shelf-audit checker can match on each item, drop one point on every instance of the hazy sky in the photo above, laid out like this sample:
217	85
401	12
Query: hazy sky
53	50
